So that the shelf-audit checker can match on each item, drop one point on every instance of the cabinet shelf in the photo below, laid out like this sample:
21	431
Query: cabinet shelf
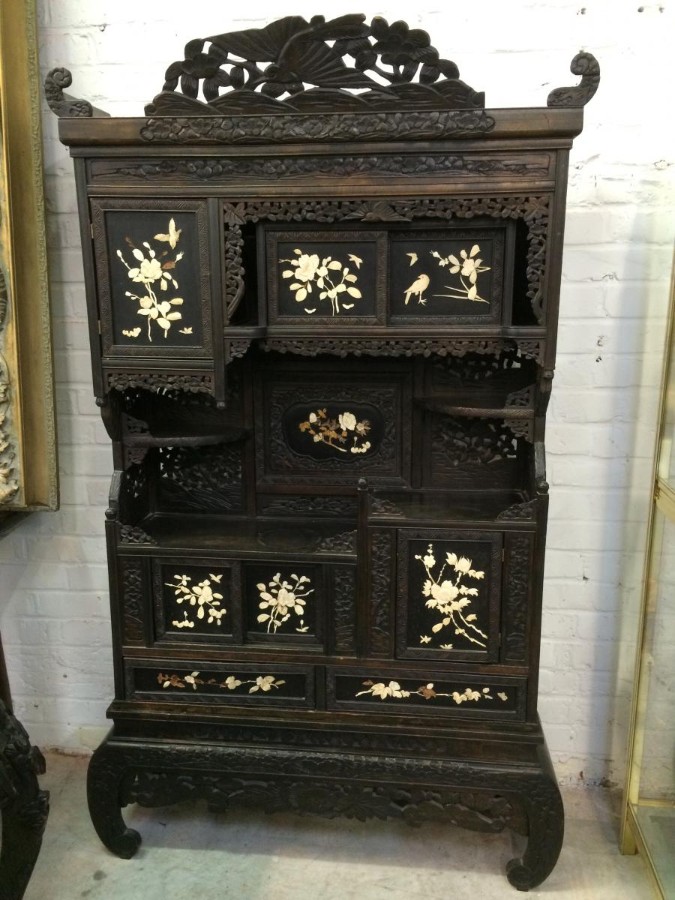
478	506
238	536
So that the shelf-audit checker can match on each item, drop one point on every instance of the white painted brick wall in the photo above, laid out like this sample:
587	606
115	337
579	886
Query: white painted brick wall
54	613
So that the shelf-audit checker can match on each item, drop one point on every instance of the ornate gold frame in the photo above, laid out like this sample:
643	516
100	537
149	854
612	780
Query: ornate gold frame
28	471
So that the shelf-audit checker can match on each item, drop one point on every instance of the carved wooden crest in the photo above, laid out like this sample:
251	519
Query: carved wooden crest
293	65
299	66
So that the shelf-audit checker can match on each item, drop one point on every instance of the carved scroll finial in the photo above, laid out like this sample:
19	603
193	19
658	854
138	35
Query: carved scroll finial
293	65
586	65
63	104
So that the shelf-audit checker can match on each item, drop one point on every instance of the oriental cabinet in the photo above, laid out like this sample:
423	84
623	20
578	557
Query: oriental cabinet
323	298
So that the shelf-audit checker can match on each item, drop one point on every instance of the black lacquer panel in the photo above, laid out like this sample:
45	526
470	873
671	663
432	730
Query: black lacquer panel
449	275
328	425
390	693
284	603
154	277
448	594
236	684
328	276
197	602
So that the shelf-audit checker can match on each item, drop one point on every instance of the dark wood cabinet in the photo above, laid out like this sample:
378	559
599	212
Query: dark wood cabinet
323	313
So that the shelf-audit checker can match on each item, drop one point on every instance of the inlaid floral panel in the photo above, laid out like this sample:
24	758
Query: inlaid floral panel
153	267
390	693
284	602
448	594
451	274
240	685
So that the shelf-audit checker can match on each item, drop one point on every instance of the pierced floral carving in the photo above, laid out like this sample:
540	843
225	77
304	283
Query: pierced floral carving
195	383
395	347
208	478
521	428
234	269
338	543
263	683
394	691
280	599
344	434
329	276
526	510
382	555
360	126
210	168
202	596
451	598
155	273
522	399
131	576
132	534
519	551
461	444
296	65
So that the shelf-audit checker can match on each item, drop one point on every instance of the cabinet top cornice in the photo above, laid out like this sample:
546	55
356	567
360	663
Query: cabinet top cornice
298	81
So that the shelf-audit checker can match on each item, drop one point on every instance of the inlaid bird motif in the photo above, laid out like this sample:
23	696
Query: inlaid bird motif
417	288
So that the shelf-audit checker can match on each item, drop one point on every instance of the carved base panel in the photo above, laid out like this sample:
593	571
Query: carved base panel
520	794
23	806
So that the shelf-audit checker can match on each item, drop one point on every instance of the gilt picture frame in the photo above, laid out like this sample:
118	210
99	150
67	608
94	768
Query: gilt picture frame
28	462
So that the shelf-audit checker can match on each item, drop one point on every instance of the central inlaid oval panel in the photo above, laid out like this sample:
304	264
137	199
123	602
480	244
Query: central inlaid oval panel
341	431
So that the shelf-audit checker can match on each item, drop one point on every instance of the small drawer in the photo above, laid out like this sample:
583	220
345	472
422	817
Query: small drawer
396	691
213	683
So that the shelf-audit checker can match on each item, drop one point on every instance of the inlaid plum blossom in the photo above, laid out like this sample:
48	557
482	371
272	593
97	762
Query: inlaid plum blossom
344	433
316	279
468	267
394	690
280	599
264	683
451	597
202	596
153	270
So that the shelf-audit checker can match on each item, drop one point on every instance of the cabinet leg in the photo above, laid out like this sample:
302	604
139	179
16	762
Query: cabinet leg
545	817
24	807
104	780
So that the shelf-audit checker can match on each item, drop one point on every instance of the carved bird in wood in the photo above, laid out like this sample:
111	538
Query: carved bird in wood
417	288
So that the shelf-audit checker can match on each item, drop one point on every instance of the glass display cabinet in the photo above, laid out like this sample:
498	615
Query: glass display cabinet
648	821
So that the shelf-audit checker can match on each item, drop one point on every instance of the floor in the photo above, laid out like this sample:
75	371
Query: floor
190	854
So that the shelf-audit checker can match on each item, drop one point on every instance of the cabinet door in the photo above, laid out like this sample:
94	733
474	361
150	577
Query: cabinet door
448	594
154	272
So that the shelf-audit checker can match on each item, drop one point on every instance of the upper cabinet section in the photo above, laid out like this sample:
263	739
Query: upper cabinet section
318	187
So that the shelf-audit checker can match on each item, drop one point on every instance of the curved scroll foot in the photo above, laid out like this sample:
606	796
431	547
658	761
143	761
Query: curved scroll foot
520	876
104	781
545	816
